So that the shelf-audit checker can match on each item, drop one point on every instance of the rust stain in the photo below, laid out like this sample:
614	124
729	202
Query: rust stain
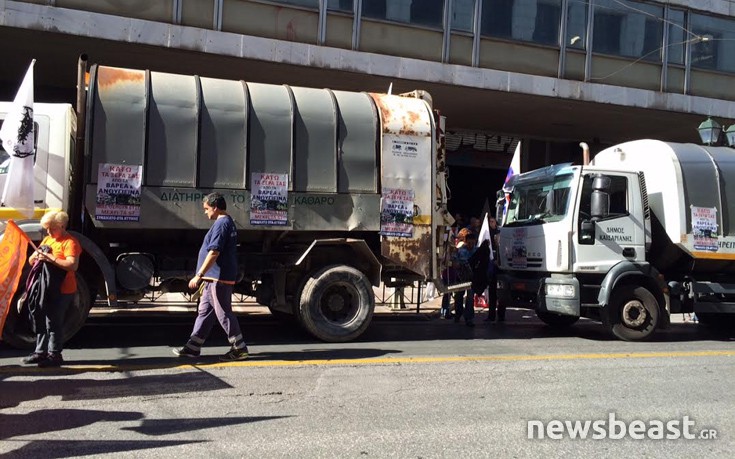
385	112
109	76
412	253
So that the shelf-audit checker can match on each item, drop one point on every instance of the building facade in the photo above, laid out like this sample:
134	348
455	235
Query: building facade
550	72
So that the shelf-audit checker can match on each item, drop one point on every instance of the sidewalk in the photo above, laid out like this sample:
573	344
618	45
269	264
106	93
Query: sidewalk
177	305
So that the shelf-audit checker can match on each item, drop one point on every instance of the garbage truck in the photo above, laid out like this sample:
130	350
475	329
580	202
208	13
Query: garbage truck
646	230
333	192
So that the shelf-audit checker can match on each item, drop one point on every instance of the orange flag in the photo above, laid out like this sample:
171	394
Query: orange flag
13	249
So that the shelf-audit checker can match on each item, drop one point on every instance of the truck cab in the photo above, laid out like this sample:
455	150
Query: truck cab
54	128
572	235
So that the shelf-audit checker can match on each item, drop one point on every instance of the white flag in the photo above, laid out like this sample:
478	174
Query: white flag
485	235
513	169
18	138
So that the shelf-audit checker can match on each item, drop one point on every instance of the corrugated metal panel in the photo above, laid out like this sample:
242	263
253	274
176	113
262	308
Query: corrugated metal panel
357	163
222	157
725	158
700	180
315	142
271	129
172	131
119	114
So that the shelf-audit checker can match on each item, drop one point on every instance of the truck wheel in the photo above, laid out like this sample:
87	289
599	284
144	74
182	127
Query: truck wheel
18	331
556	320
336	303
634	313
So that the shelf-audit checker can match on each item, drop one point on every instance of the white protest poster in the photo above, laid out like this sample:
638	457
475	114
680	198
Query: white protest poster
396	212
519	255
269	199
704	228
118	192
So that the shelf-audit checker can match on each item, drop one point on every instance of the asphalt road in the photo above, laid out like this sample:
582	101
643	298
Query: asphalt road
411	387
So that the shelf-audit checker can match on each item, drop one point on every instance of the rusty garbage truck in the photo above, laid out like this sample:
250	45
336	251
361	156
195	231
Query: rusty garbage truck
333	192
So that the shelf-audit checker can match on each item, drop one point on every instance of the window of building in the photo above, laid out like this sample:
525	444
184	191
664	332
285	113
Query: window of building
497	18
534	21
428	13
626	28
340	5
546	27
577	24
716	49
677	36
463	13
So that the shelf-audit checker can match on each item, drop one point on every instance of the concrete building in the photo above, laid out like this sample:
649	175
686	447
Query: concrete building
550	72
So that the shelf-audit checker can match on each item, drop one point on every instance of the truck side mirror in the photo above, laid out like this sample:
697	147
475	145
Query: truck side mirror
587	232
600	199
500	206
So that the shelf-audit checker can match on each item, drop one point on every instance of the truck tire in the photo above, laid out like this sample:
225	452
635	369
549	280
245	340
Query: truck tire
18	331
336	303
556	320
634	313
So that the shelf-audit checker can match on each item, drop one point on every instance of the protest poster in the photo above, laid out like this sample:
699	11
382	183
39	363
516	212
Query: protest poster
269	199
396	212
118	192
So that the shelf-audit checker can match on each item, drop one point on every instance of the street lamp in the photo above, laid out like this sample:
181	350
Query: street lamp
710	131
730	135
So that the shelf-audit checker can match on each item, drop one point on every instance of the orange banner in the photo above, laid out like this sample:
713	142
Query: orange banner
13	249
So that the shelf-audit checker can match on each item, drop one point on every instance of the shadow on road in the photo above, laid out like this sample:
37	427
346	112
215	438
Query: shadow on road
45	421
15	392
55	449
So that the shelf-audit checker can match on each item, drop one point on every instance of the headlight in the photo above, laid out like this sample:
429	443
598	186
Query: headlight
560	290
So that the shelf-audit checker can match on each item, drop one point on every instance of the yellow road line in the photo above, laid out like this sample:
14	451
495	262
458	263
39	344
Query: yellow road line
176	364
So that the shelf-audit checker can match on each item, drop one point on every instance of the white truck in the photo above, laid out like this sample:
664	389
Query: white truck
646	230
333	192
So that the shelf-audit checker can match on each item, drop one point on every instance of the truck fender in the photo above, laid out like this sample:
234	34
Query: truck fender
640	273
358	246
105	268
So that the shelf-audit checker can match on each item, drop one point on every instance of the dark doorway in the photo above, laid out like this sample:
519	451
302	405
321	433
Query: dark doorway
471	186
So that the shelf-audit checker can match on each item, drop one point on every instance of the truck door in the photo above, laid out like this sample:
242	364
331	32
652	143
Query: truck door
605	238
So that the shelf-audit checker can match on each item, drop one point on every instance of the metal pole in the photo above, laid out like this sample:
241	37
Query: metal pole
446	39
476	30
357	20
665	50
76	175
322	33
563	39
588	40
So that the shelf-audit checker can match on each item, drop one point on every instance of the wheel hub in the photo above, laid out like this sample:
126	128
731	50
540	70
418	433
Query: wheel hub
336	303
634	313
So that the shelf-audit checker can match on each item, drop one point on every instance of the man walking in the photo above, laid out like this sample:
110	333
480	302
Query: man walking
217	268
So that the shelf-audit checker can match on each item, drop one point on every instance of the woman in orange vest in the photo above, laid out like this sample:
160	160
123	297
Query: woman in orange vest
61	251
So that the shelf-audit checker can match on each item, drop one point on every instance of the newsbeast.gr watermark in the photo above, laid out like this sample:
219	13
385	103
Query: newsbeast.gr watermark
616	429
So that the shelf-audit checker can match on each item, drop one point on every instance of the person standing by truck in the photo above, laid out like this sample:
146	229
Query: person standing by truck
50	294
492	274
464	301
217	269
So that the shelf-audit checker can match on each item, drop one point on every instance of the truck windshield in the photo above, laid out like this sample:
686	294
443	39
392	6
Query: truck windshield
537	202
